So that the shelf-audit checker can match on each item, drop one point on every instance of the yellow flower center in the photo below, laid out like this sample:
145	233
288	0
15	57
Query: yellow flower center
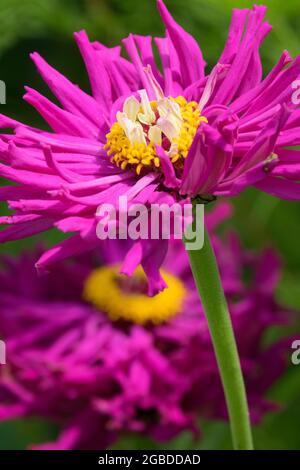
169	122
122	297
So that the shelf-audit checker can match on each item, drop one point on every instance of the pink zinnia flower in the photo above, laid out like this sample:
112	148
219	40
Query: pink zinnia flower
68	362
151	136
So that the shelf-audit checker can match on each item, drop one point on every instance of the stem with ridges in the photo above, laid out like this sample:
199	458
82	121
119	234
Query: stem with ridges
207	278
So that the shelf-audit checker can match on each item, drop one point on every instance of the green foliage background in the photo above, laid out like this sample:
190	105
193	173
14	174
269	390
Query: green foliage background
47	26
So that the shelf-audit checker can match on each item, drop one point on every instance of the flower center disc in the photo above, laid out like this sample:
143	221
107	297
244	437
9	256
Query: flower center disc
169	122
122	297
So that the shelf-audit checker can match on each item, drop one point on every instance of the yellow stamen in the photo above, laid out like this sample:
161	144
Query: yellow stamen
108	291
182	119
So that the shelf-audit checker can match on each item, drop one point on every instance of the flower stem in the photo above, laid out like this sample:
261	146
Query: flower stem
206	274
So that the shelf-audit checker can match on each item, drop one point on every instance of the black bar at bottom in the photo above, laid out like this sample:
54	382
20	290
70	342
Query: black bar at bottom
135	459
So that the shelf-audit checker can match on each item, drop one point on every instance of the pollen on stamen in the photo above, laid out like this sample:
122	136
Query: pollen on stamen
132	138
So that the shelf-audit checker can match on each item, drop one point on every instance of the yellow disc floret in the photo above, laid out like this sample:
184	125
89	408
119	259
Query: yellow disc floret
169	122
125	298
126	153
191	116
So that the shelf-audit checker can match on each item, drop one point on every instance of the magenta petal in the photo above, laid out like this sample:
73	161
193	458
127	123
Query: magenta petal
248	178
144	44
208	159
234	36
264	144
97	72
71	97
168	169
189	54
241	103
133	53
278	187
25	229
60	120
245	54
151	254
171	67
30	179
70	247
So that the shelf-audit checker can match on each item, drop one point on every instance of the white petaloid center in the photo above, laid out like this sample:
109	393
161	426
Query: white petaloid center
145	122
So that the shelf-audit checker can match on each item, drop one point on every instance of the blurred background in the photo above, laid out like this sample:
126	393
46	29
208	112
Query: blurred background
46	26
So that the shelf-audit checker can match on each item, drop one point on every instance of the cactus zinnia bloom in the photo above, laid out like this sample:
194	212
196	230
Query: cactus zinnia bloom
152	136
101	359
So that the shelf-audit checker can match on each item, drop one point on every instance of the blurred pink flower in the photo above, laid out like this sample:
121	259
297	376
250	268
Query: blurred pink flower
97	378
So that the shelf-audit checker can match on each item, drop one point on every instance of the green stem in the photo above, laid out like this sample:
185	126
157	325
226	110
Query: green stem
206	274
